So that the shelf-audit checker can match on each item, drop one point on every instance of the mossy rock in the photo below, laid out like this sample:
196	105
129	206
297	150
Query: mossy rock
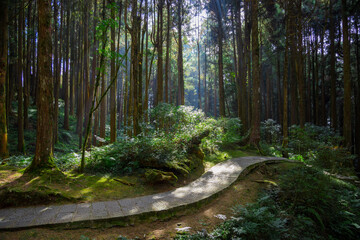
154	176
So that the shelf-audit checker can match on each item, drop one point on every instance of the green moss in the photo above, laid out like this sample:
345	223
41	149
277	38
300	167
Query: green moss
154	176
44	167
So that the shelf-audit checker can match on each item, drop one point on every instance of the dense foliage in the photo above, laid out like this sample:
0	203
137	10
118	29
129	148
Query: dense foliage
314	145
165	142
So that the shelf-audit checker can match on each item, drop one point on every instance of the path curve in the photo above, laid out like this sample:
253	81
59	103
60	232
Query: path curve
218	178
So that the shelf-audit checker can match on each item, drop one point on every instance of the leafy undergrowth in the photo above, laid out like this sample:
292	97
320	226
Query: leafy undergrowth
319	146
179	142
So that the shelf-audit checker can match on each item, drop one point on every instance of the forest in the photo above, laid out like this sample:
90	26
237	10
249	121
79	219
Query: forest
241	116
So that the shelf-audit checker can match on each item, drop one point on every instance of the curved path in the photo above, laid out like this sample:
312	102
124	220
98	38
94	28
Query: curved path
209	184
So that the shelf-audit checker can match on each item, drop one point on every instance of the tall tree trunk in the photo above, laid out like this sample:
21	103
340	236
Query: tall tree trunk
357	85
4	152
44	131
27	75
126	80
168	45
21	144
135	64
198	55
309	101
220	64
285	90
86	68
72	69
293	73
66	68
347	78
241	70
316	81
56	73
206	93
255	128
333	113
80	88
248	60
93	76
103	86
159	44
299	65
113	87
147	75
279	103
181	91
323	61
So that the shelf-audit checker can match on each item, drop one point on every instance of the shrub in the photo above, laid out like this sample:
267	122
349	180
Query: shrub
311	137
270	131
334	159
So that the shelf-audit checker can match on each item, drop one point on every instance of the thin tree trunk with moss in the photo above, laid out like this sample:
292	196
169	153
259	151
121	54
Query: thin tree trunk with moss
357	85
147	75
21	142
113	87
357	90
103	103
299	67
181	92
333	114
66	73
168	45
255	126
55	72
4	152
27	74
285	90
347	78
159	43
93	72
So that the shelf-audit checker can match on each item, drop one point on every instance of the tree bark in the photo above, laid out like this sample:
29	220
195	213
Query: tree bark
44	130
93	72
21	143
4	152
347	78
285	90
255	129
27	74
103	103
181	91
299	66
333	112
56	73
113	87
66	68
159	45
168	45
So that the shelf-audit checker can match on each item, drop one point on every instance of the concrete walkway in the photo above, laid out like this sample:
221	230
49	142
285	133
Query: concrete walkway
212	182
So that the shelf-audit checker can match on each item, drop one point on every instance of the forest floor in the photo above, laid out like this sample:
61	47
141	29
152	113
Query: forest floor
244	190
18	189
